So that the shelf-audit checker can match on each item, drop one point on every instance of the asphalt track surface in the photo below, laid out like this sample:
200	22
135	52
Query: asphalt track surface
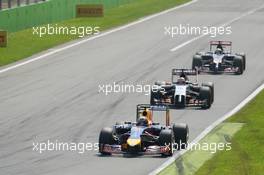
57	97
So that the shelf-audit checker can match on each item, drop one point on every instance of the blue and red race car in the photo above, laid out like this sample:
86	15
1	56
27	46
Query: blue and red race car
144	136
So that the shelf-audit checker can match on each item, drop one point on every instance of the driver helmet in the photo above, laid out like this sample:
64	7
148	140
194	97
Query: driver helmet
181	80
184	76
167	83
142	121
218	51
145	113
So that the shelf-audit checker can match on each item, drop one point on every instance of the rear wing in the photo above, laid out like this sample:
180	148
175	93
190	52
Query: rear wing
143	107
184	73
179	72
224	43
221	43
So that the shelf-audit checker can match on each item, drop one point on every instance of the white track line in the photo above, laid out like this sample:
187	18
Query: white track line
223	25
11	67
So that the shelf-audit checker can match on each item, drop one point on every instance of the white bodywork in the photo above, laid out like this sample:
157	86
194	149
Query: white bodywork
218	59
181	91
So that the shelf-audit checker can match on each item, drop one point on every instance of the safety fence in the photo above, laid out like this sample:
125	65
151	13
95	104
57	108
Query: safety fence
46	11
4	4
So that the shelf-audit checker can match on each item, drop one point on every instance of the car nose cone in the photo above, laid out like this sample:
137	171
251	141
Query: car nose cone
133	142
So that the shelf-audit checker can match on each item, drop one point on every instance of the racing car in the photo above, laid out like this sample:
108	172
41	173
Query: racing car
181	92
220	59
144	136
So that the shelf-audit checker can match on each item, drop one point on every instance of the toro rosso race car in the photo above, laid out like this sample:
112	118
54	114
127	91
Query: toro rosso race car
219	59
182	92
144	137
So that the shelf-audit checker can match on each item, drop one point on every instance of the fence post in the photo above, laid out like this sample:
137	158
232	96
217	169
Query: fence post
27	2
0	4
18	3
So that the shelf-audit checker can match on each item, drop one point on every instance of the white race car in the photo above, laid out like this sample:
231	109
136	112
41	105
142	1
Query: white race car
219	59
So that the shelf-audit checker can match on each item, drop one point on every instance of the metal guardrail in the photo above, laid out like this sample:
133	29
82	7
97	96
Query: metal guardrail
7	4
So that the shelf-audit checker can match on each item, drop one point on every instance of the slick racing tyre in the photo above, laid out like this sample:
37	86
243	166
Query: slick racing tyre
238	62
105	137
211	86
205	94
181	135
166	138
197	62
244	60
152	97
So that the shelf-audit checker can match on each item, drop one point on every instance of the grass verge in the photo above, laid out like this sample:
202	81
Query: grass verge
247	154
23	44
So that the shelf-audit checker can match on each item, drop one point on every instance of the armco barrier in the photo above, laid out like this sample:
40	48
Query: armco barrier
46	12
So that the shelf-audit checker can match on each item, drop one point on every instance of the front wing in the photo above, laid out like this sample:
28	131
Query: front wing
206	69
190	103
151	150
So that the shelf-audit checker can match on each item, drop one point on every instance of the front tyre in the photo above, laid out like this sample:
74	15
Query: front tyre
244	60
211	86
166	138
206	96
238	63
181	135
105	137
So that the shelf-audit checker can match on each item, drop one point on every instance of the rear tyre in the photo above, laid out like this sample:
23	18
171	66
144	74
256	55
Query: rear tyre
211	86
105	137
166	138
205	95
197	62
153	95
181	135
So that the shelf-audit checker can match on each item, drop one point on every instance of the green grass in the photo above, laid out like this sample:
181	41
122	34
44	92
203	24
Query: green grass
247	154
23	44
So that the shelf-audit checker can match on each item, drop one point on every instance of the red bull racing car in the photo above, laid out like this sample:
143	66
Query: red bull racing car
144	136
